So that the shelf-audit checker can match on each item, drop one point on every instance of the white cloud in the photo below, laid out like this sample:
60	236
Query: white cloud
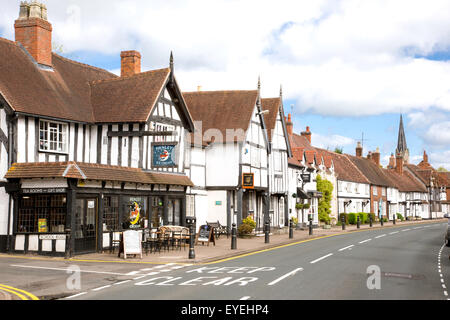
440	159
438	134
344	57
331	141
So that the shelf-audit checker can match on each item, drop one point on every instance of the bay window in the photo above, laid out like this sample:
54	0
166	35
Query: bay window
53	136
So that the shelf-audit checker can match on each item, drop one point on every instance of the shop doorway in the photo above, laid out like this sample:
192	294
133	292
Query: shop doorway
174	212
86	225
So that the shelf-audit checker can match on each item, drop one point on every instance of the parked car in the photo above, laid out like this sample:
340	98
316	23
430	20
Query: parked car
447	234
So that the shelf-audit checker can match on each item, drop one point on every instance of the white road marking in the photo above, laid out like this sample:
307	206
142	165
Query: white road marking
76	295
405	230
380	236
285	276
101	288
321	258
245	298
65	269
117	283
365	241
342	249
394	232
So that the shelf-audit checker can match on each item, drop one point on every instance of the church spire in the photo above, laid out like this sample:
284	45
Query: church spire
401	143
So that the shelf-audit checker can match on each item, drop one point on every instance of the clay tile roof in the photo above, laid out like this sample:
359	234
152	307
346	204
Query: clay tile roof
309	155
63	93
405	182
371	171
273	105
127	99
345	169
91	171
219	111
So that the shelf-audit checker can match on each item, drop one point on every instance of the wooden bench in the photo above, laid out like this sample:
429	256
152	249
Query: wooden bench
218	228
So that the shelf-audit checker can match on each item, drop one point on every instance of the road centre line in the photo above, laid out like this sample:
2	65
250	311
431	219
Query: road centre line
76	295
101	288
321	258
380	236
121	282
285	276
342	249
394	232
405	230
365	241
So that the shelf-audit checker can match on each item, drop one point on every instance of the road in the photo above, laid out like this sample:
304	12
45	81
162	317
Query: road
401	263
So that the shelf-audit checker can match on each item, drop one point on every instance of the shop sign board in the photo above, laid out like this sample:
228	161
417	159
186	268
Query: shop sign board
42	225
205	234
306	177
44	190
248	181
132	243
164	155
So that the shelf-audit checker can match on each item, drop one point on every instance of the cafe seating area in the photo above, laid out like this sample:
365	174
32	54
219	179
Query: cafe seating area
165	238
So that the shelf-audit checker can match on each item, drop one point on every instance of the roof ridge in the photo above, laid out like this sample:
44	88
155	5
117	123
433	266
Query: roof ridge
82	64
8	41
138	75
216	91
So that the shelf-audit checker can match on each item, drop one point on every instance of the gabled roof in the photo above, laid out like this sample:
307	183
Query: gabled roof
345	169
92	171
371	171
221	110
77	92
63	93
404	182
273	106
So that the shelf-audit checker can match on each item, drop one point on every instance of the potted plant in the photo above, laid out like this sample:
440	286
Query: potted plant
245	230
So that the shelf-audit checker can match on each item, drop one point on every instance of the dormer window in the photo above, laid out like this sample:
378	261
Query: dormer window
53	136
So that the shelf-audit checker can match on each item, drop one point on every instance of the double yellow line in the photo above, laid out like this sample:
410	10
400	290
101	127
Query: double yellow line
22	294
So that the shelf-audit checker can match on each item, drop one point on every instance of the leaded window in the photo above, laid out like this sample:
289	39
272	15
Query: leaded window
53	136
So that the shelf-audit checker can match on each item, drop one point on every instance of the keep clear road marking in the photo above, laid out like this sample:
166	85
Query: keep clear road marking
346	247
285	276
321	258
365	241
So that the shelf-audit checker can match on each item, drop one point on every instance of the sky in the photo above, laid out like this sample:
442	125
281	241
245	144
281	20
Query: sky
347	68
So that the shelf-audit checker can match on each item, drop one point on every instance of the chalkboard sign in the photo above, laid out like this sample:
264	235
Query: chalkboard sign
132	243
205	234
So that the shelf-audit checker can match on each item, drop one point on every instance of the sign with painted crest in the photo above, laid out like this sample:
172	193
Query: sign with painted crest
164	154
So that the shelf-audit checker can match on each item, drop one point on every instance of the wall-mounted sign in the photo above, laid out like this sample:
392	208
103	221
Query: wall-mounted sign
91	204
306	177
248	181
52	237
218	203
42	225
135	213
164	155
44	190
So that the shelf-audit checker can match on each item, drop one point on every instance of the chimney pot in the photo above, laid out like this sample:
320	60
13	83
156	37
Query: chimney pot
35	10
376	157
307	134
359	150
289	125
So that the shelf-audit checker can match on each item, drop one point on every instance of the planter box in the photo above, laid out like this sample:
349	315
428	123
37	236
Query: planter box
327	226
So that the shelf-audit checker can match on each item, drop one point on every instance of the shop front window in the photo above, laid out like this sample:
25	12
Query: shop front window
42	213
157	212
111	213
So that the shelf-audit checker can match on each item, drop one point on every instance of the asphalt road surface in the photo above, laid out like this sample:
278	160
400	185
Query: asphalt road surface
401	263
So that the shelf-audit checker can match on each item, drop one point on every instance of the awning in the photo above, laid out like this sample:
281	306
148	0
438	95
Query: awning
92	171
302	194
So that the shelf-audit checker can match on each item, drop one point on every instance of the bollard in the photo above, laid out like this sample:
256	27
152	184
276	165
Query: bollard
291	230
393	220
370	220
310	227
68	253
191	242
358	222
381	220
343	222
233	236
266	232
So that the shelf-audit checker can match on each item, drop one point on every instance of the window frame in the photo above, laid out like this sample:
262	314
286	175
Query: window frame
65	136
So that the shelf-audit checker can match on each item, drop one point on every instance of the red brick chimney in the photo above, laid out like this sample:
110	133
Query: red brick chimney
34	32
392	161
425	157
376	157
130	63
359	150
399	164
289	125
307	134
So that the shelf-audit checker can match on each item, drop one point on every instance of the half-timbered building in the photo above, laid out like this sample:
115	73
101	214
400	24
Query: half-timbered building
83	149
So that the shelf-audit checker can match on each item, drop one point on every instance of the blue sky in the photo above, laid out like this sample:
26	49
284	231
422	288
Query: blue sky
346	66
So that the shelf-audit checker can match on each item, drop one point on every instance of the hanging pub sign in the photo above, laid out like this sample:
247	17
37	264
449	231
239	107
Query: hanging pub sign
164	154
248	181
306	177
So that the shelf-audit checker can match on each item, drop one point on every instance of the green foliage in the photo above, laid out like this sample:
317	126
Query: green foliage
306	206
345	215
363	217
373	217
442	169
294	222
352	218
245	229
250	222
339	150
326	187
299	206
400	217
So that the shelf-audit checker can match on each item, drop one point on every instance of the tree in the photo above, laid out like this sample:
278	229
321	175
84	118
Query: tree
339	150
326	187
442	169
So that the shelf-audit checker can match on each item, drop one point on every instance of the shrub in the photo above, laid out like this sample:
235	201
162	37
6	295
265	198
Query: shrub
371	215
250	222
294	222
352	218
385	220
299	206
363	217
306	206
400	217
244	229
